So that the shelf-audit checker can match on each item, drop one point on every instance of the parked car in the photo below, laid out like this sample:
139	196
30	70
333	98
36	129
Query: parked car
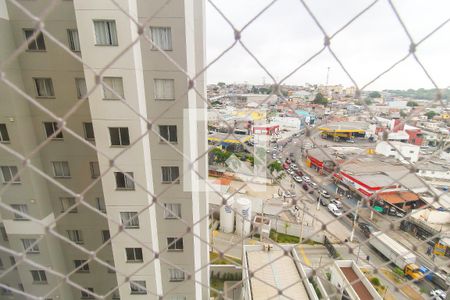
366	228
298	179
438	294
294	167
313	185
288	161
350	141
299	173
337	203
395	212
334	210
288	194
325	194
305	186
274	155
285	166
290	171
306	178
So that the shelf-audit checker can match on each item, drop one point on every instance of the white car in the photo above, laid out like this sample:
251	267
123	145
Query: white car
306	179
298	179
438	294
325	194
334	210
337	203
294	167
290	171
287	194
274	155
313	185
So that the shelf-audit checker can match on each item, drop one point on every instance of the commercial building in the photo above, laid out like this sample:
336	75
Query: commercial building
105	151
406	153
344	130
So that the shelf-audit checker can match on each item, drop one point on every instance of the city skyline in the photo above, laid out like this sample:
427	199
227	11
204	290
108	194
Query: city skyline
290	33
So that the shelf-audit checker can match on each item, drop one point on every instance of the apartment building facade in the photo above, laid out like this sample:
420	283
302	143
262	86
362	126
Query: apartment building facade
123	150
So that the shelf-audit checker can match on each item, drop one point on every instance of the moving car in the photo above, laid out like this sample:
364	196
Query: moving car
334	210
337	203
306	178
438	294
366	229
298	179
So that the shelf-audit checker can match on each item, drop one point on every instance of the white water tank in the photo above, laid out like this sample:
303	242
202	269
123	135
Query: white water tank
243	208
227	215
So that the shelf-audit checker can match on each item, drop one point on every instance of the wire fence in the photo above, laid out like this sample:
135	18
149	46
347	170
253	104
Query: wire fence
297	210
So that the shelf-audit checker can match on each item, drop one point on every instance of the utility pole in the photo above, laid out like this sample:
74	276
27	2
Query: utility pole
354	221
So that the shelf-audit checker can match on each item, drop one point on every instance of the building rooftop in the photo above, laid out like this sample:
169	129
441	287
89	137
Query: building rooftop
274	271
397	197
345	126
229	138
357	285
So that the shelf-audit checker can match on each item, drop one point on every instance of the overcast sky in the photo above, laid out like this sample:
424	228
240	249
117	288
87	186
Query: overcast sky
285	36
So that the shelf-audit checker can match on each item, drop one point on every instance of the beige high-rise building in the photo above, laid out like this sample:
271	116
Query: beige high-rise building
44	82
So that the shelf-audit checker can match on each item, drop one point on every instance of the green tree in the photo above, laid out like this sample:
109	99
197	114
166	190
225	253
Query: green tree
320	99
430	114
412	103
375	94
403	114
368	101
275	166
221	84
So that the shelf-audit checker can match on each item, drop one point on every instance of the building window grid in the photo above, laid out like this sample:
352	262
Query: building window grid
4	135
88	131
8	173
86	295
36	44
168	133
81	266
23	208
113	88
66	203
74	40
138	287
134	255
44	87
1	264
175	244
39	276
176	275
161	37
75	236
172	210
95	169
164	89
80	84
170	174
105	33
61	169
50	128
119	136
30	246
100	204
3	233
124	182
130	220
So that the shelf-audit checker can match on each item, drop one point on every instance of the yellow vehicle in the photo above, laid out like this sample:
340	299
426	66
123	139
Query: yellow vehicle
412	271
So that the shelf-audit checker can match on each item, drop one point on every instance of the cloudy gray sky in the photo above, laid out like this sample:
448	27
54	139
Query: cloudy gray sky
285	36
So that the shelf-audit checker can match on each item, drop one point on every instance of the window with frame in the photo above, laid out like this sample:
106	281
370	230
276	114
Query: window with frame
124	182
113	88
50	128
74	40
100	204
138	287
164	89
4	234
134	255
168	133
161	37
129	219
37	43
39	276
95	169
8	173
80	84
106	236
172	210
66	203
86	295
12	260
44	87
175	244
23	208
61	169
30	246
105	33
75	236
81	266
170	174
4	136
88	131
176	275
119	136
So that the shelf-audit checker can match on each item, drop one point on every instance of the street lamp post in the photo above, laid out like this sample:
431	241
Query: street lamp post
354	221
